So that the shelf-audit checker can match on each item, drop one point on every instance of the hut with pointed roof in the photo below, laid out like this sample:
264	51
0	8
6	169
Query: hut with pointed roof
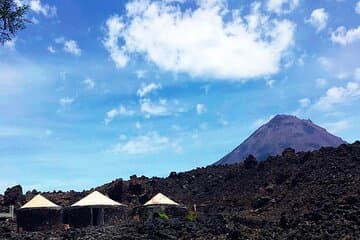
95	209
160	206
38	214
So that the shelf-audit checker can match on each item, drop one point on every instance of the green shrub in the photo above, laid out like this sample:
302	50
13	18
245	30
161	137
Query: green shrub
191	216
164	216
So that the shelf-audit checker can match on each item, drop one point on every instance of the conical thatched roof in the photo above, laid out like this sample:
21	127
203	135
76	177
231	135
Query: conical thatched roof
96	199
40	202
160	199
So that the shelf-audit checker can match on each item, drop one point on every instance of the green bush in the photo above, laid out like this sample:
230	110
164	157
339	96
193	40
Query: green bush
191	216
164	216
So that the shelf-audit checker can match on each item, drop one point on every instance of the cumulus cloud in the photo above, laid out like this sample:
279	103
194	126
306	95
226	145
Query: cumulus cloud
281	6
318	19
66	101
236	48
148	143
72	47
339	95
44	9
147	89
304	102
357	7
121	110
150	108
114	32
89	83
344	37
69	46
200	108
51	49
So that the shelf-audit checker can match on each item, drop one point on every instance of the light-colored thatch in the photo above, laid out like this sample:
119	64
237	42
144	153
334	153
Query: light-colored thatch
160	199
40	202
96	199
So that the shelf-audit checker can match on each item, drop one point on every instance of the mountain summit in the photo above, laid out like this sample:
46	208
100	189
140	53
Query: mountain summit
281	132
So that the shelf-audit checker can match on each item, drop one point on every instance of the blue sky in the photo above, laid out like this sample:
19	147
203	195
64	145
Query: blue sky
94	91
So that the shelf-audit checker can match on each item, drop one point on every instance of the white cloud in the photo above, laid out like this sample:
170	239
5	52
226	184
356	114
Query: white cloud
10	44
236	48
336	127
281	6
325	62
140	73
148	143
51	49
121	110
69	46
138	125
357	7
318	19
304	102
270	83
147	89
44	9
200	108
114	31
344	37
66	101
154	109
89	83
321	82
339	95
72	47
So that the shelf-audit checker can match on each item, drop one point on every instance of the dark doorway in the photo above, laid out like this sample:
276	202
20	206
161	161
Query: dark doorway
97	216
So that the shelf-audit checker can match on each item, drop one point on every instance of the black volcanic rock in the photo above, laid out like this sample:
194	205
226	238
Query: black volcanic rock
14	196
306	195
283	131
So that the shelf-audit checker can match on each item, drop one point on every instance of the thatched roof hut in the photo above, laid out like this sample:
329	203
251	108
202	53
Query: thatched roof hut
38	214
94	210
159	206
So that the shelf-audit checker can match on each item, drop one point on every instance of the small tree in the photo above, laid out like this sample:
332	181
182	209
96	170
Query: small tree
12	19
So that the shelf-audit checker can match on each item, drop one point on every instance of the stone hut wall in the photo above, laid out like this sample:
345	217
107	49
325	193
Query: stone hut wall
38	219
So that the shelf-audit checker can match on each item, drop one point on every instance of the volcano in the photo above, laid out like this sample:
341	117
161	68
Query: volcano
282	131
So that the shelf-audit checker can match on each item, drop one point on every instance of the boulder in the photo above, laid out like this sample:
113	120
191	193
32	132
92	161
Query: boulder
14	196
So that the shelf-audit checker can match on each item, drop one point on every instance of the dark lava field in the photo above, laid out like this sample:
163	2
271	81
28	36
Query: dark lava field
305	195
